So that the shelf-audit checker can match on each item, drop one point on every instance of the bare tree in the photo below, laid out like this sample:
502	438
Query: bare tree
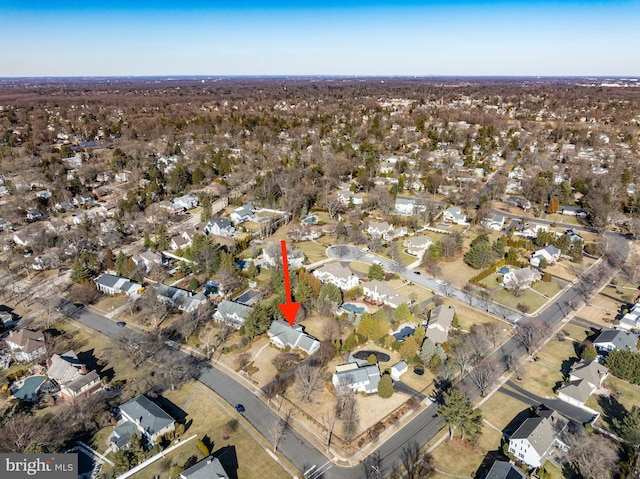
309	377
331	329
373	468
350	418
329	422
592	455
463	354
415	464
492	332
280	428
529	334
483	375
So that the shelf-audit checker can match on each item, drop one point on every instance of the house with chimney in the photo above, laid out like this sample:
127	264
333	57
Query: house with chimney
72	377
379	292
140	415
439	325
537	437
282	335
364	379
340	275
25	345
232	313
209	468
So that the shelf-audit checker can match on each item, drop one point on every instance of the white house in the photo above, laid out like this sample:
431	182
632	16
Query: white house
272	256
346	197
112	284
550	254
26	345
241	214
417	245
573	211
359	379
146	260
398	369
536	437
453	214
611	339
184	239
283	335
520	278
232	313
377	230
179	298
630	320
341	276
405	206
494	222
187	202
381	292
219	227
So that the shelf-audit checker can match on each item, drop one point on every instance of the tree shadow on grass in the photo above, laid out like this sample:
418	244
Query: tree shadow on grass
611	409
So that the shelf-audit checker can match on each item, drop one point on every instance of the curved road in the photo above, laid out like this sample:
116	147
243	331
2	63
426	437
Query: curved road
422	428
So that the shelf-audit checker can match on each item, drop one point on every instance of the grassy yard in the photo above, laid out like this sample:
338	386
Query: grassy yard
500	410
528	297
548	289
110	303
555	352
313	251
539	379
470	316
457	459
206	414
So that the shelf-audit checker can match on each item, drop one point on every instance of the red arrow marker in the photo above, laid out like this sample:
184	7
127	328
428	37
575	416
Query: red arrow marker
289	309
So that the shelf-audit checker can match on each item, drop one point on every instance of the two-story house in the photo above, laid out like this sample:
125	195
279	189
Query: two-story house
380	292
536	437
26	345
341	276
140	415
232	313
363	379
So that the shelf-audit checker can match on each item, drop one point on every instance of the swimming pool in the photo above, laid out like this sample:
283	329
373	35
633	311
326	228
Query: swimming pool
28	390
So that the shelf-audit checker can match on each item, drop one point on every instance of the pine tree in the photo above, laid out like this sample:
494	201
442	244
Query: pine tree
428	350
385	387
79	271
628	428
332	293
122	265
402	312
376	272
458	414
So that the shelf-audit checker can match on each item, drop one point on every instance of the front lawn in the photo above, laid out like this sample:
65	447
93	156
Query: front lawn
530	298
547	289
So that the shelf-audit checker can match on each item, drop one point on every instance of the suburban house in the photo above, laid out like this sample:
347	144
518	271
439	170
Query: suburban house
453	214
573	211
112	284
184	239
304	232
417	245
141	416
398	369
504	470
377	230
520	278
72	376
405	206
180	298
187	202
494	222
209	468
219	227
46	261
611	339
34	215
363	379
341	276
232	313
346	197
26	345
584	378
283	335
629	321
550	254
241	214
146	260
272	256
534	440
439	325
380	292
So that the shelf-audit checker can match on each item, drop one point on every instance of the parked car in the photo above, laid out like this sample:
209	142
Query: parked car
239	408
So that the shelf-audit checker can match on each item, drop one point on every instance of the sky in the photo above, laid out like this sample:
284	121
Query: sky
332	37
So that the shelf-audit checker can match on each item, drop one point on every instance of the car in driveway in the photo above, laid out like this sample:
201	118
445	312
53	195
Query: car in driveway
239	408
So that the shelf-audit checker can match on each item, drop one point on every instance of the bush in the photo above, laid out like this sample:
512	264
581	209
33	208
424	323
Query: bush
546	277
203	448
372	359
385	387
523	307
179	430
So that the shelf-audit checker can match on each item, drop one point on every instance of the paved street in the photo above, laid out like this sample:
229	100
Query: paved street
421	429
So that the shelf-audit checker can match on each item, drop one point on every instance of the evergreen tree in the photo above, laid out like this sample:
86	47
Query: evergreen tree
428	350
385	386
576	254
332	293
257	322
459	414
402	312
79	271
376	272
122	265
628	428
589	353
481	254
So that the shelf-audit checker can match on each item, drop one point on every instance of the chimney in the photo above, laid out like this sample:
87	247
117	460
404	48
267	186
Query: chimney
83	369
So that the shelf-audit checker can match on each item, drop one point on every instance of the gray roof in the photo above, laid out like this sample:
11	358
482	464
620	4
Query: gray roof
292	337
82	381
152	418
440	320
233	312
122	434
579	390
620	339
64	368
538	431
209	468
222	223
590	371
504	470
369	373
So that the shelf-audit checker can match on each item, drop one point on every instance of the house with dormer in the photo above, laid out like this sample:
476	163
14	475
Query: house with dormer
584	378
340	275
418	245
219	227
241	214
232	313
453	214
26	345
140	415
549	253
